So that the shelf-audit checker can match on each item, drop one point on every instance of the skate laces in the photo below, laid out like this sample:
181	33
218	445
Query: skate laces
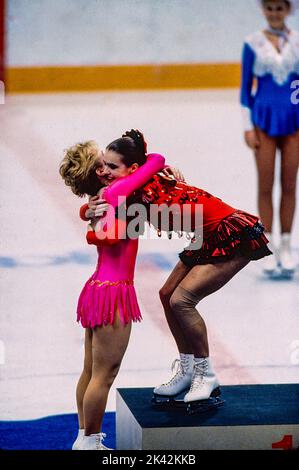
200	370
175	365
99	440
178	369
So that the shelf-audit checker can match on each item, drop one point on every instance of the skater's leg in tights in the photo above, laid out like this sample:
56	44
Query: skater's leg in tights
85	375
289	171
176	276
265	164
109	344
200	282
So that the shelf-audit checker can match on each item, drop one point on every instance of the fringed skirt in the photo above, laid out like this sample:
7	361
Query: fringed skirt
99	302
238	234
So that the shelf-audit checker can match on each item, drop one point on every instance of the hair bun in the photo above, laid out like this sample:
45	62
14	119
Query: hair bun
138	139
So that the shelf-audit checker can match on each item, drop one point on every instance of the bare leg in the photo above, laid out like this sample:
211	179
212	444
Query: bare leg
109	344
200	282
289	171
176	276
85	376
265	163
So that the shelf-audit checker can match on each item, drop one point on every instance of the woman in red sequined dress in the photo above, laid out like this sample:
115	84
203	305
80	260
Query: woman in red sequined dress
229	239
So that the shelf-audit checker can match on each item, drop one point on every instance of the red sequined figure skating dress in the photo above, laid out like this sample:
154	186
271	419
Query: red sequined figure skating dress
225	231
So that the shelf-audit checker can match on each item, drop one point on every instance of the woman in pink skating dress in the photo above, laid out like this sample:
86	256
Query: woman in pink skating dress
107	304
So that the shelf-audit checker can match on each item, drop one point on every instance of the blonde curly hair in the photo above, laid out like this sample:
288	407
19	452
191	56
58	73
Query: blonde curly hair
78	168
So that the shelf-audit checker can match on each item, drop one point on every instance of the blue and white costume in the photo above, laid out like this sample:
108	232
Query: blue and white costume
270	108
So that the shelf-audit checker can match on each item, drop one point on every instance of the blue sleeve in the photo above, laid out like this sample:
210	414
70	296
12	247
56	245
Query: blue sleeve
248	57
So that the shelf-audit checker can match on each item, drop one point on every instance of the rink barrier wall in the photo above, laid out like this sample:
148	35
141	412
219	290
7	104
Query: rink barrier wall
122	77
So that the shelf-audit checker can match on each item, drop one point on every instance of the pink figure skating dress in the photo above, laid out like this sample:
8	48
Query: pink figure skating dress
111	287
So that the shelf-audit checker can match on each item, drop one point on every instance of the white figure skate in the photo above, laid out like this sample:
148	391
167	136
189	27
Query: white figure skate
286	260
270	263
76	444
93	442
204	393
180	382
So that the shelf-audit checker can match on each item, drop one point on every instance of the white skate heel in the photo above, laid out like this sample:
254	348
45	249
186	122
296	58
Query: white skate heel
270	263
76	444
181	380
93	442
286	260
204	392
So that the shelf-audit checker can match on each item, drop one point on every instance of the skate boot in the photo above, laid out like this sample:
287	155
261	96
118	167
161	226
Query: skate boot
286	260
76	444
93	442
179	383
204	393
270	263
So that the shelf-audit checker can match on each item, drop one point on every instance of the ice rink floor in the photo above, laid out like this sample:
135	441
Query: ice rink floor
44	261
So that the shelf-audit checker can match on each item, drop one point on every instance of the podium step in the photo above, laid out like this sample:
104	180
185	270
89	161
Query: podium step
252	417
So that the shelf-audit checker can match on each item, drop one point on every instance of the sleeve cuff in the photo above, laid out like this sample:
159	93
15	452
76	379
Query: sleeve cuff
246	117
83	209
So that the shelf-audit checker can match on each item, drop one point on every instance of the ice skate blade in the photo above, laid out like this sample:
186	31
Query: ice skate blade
270	272
287	273
203	406
199	406
166	402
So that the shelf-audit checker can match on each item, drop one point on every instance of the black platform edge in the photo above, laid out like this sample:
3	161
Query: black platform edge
258	404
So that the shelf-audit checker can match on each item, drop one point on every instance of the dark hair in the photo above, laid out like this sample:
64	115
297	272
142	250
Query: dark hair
131	146
288	4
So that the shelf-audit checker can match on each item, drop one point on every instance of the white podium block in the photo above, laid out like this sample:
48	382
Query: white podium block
252	417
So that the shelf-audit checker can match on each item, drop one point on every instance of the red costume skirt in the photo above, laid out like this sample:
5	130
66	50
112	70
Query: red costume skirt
238	234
